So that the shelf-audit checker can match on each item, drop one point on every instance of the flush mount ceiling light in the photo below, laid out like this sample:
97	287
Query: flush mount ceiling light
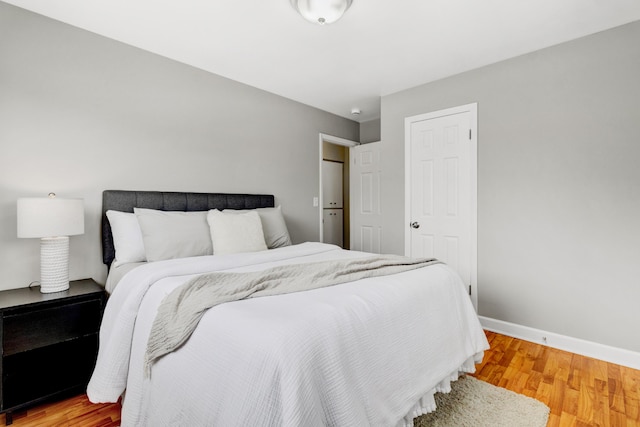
321	11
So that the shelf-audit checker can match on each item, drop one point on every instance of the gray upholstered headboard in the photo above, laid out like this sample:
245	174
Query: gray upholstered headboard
125	201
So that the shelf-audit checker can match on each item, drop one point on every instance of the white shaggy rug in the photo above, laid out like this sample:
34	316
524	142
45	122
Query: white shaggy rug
475	403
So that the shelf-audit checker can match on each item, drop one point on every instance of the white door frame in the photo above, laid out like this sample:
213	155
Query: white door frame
473	110
323	137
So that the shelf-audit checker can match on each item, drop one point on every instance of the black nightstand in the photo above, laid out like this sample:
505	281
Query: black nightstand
49	343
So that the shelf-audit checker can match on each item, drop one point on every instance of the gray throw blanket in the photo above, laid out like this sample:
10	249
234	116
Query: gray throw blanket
180	312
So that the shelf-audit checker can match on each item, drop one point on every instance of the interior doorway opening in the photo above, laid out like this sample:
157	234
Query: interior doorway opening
334	201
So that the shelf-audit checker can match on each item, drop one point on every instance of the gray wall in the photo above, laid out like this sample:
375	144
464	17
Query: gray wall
370	131
80	113
558	183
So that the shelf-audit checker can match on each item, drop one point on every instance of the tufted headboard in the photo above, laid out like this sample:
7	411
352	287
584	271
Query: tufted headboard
125	201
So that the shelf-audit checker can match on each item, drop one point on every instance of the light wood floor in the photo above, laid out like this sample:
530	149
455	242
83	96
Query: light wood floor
580	391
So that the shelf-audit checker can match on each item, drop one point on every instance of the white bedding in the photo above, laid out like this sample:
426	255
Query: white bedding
117	272
370	352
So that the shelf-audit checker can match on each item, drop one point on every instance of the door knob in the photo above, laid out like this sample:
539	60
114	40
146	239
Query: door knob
415	224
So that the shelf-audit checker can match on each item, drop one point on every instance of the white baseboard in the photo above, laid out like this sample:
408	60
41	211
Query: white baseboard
604	352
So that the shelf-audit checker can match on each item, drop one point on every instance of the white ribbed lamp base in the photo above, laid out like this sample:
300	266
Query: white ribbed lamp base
54	264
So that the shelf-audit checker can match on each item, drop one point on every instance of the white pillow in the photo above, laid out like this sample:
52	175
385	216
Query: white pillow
127	238
275	230
173	234
235	232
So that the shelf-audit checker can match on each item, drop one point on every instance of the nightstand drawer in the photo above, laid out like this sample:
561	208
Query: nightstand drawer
28	330
49	370
48	343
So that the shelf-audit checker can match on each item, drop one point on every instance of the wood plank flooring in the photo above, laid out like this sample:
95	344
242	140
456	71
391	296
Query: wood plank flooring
76	411
579	390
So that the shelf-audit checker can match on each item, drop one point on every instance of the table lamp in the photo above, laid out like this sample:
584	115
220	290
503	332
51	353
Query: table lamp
53	220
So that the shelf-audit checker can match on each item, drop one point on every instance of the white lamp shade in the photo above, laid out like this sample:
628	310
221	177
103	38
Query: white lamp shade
321	11
50	217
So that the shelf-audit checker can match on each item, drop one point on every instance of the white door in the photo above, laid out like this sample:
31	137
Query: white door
366	206
332	225
441	189
332	184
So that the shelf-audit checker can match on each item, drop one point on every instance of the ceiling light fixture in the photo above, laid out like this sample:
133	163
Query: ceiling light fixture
321	11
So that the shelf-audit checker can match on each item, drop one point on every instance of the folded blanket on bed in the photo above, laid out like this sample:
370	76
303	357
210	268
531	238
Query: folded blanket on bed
181	310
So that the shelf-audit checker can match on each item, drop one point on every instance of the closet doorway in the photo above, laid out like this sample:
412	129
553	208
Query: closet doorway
334	203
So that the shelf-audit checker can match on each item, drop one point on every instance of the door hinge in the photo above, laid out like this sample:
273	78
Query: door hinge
469	289
469	133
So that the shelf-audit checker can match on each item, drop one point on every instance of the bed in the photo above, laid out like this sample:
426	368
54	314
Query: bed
365	352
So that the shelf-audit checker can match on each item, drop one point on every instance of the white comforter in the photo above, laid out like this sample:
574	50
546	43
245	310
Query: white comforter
370	352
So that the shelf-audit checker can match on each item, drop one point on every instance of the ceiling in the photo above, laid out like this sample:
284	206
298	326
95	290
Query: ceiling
379	47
